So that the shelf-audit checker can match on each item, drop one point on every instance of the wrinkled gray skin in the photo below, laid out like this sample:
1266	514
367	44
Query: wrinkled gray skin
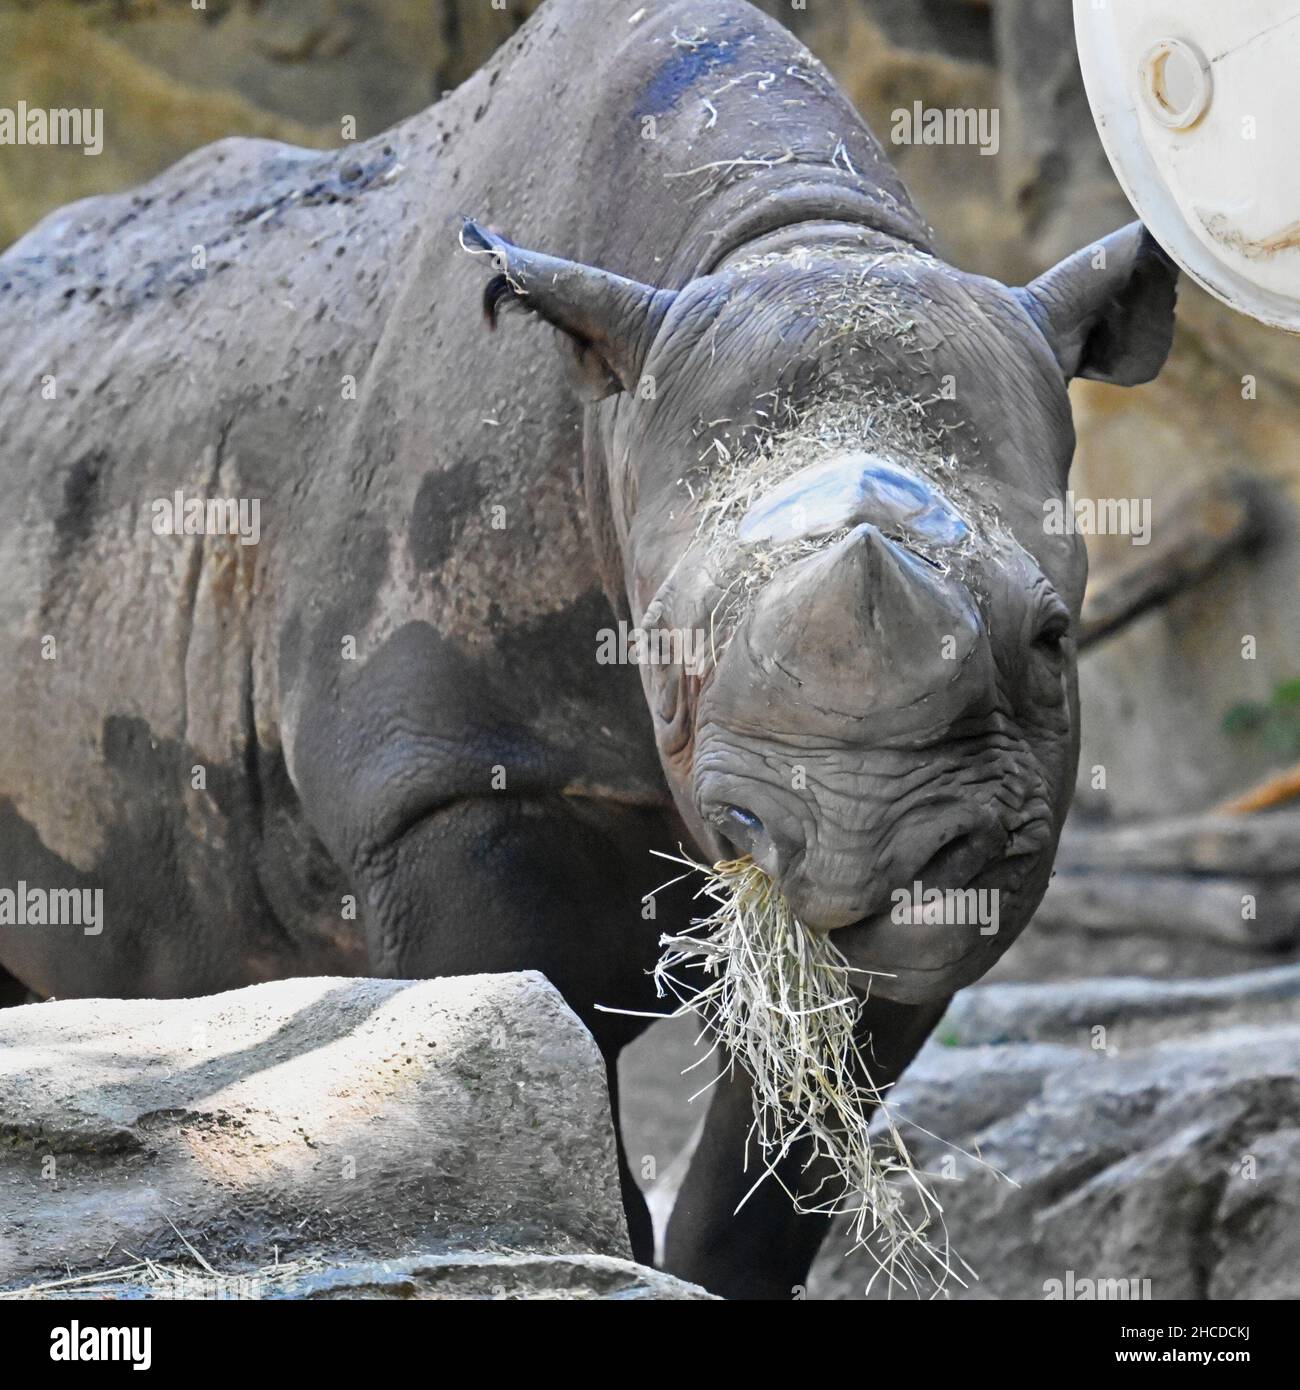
442	497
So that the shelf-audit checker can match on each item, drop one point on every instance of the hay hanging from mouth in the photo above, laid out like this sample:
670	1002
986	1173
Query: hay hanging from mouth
778	998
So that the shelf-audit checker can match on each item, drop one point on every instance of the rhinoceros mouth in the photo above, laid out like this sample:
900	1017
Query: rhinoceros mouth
886	948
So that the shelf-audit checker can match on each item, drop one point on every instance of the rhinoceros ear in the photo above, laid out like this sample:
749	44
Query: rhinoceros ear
610	321
1108	310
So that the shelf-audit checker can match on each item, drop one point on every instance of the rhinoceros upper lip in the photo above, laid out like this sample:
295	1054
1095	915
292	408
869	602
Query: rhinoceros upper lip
856	931
886	913
859	934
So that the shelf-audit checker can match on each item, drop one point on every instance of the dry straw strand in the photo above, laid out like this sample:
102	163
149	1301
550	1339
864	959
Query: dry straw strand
779	999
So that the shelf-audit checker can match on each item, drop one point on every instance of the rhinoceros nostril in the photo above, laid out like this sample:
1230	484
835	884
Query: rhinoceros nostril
747	834
954	864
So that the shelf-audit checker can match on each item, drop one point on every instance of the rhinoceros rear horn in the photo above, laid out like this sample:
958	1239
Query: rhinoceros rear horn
611	321
1108	311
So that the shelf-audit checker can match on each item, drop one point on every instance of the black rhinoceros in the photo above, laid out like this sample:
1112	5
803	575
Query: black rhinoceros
792	461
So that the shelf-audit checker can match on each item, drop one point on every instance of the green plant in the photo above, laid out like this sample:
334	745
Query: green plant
1276	724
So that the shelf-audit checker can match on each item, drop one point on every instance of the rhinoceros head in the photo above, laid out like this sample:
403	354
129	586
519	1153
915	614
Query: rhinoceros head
834	491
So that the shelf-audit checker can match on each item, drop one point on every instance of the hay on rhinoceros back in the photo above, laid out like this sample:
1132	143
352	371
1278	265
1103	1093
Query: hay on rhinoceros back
779	1001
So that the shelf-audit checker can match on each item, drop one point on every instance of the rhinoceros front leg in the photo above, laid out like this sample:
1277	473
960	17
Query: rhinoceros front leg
766	1249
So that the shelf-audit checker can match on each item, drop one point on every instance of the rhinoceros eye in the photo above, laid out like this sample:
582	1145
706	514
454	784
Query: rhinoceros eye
1045	685
1052	632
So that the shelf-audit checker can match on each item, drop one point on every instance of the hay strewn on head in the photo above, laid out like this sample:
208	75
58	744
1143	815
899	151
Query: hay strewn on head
858	299
777	997
786	441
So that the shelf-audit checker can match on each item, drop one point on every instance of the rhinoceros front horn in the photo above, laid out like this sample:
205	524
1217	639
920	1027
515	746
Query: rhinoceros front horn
863	627
610	320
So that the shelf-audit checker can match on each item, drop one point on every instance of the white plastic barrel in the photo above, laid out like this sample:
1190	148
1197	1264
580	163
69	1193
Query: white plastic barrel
1196	104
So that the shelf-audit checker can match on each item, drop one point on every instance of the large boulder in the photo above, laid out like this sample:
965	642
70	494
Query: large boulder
316	1137
1147	1133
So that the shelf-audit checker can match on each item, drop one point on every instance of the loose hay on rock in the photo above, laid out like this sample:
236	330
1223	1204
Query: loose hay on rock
778	998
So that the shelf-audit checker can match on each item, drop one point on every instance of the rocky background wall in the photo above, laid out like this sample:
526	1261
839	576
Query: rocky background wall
1133	1155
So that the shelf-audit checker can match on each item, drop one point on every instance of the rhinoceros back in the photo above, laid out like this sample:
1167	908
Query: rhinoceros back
297	329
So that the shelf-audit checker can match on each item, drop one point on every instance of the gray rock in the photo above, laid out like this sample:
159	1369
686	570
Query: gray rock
329	1121
1068	1011
1054	169
500	1276
1148	1134
463	1275
1071	953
